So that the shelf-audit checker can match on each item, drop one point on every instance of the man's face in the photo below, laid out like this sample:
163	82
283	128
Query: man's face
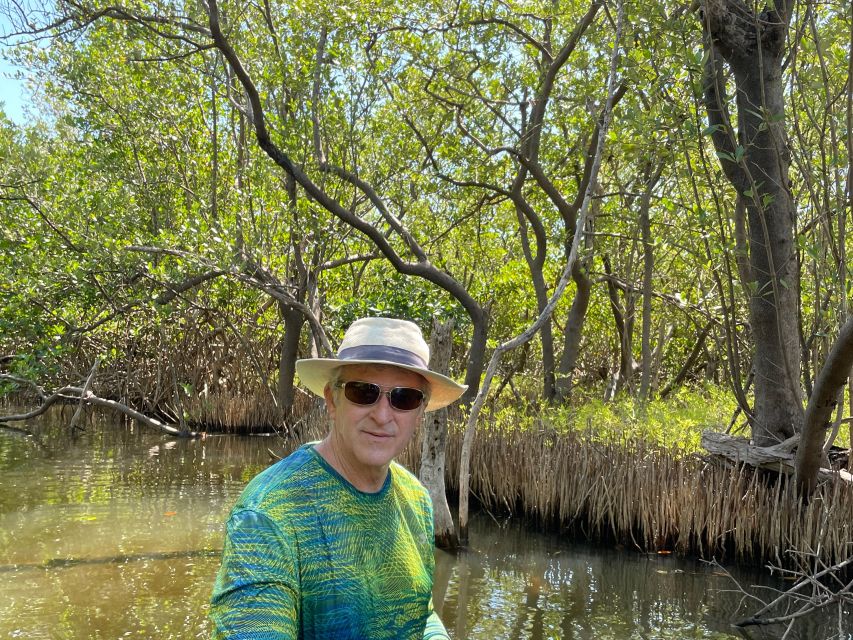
367	438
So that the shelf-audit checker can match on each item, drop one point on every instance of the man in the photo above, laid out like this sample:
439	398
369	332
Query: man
336	540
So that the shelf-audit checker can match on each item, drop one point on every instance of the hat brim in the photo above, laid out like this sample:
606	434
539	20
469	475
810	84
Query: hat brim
314	373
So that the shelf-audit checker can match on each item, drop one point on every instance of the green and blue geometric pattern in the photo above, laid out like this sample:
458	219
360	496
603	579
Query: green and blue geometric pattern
308	556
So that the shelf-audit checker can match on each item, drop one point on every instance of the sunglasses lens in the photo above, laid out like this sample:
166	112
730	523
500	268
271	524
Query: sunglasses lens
406	398
364	393
367	393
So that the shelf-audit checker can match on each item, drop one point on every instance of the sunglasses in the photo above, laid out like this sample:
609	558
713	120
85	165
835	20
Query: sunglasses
367	393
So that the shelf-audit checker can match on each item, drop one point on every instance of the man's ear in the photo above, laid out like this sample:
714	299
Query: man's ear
329	396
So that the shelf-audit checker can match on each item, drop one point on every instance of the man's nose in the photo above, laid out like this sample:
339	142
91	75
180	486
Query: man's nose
382	410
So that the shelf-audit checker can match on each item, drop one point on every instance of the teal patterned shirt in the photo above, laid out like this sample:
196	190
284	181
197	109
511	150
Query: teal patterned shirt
309	556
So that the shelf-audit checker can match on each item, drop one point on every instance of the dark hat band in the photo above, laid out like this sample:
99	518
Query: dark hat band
382	352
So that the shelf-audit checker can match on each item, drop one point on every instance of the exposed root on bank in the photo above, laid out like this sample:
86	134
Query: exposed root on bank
652	497
779	457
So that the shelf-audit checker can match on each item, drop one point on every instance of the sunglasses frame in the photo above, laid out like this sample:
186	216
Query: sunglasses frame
383	391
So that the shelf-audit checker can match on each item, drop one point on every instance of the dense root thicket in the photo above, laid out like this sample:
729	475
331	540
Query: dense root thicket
653	498
646	496
216	375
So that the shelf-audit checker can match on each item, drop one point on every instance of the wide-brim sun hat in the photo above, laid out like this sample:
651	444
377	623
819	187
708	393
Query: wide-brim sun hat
382	341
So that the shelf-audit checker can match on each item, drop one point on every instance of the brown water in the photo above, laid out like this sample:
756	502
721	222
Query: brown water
114	532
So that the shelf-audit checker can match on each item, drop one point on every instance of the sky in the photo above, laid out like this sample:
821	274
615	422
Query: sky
13	93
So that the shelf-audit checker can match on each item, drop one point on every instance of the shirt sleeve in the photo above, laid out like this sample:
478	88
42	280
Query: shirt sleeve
435	628
256	594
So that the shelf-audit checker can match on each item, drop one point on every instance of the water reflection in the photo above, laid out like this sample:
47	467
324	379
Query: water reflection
515	583
115	532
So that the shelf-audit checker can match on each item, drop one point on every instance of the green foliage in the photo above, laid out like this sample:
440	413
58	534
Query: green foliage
676	422
394	296
142	140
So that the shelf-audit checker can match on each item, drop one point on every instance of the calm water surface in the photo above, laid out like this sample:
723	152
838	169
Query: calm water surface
113	532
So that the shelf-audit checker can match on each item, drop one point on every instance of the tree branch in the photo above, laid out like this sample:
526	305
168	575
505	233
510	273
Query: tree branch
545	314
421	269
516	29
722	133
78	393
824	398
29	383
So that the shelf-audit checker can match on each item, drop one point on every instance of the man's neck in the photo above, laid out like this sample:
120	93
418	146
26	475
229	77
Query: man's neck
365	481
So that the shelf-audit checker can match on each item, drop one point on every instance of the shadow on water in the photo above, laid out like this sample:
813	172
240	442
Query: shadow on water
60	563
115	532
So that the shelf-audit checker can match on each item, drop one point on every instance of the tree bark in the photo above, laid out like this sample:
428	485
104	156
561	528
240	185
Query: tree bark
574	329
625	355
420	267
842	224
779	457
289	351
580	272
528	157
78	393
688	364
544	316
648	272
829	382
536	264
756	161
433	449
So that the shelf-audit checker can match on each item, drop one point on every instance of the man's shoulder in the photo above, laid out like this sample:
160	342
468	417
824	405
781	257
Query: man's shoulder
406	481
285	481
413	498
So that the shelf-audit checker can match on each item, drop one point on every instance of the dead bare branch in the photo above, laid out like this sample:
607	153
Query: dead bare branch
24	381
79	393
86	386
797	601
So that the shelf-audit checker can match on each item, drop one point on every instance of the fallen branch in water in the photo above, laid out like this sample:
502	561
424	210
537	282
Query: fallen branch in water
82	394
23	381
816	587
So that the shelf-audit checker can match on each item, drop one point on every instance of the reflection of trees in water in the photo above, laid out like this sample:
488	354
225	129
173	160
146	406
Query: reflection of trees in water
109	459
518	584
111	600
112	530
112	490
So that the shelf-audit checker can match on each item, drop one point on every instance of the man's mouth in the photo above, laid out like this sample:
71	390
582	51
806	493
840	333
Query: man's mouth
379	434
